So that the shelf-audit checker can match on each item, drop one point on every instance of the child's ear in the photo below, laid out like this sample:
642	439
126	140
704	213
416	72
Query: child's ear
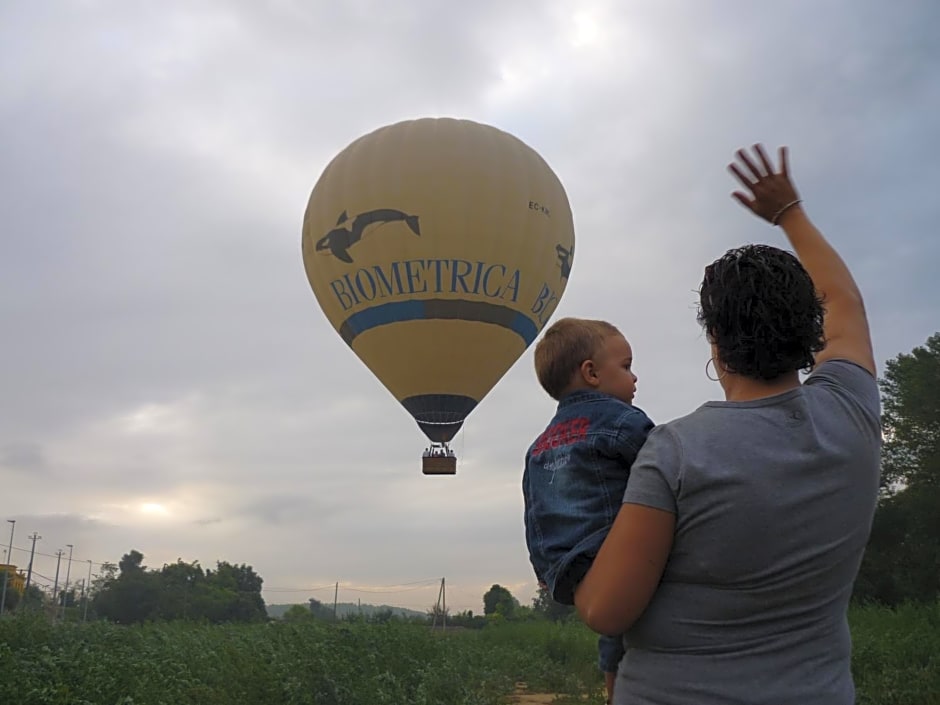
589	372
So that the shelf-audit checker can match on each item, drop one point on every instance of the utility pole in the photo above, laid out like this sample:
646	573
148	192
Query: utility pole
335	595
55	586
6	570
440	607
68	571
32	551
87	597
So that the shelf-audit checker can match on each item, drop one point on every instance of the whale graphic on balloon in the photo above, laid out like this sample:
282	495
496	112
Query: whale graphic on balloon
339	240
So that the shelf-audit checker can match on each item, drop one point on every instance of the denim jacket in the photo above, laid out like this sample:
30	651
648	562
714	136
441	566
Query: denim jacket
573	484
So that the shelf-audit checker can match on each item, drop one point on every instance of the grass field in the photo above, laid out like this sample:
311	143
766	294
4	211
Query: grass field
896	662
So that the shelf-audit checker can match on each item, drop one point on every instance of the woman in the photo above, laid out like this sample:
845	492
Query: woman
731	562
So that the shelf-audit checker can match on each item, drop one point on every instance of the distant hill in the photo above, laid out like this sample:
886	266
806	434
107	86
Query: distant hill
344	608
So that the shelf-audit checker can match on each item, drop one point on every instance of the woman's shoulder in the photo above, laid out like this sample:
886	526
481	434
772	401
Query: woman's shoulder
848	380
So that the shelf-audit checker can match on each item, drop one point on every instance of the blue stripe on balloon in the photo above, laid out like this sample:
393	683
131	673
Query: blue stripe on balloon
524	327
439	309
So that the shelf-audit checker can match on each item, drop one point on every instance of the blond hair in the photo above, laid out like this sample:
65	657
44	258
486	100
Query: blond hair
565	345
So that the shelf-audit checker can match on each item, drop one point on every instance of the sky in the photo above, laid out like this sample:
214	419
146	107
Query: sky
168	381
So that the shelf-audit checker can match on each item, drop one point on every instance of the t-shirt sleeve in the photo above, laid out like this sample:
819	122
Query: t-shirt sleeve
654	478
851	381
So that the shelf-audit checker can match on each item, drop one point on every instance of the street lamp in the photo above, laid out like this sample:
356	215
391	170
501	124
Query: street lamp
68	571
6	569
87	592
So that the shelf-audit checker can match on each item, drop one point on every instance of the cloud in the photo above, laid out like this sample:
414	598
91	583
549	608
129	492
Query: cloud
169	382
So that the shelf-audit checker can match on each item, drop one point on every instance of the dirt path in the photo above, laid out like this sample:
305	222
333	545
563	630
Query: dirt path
522	696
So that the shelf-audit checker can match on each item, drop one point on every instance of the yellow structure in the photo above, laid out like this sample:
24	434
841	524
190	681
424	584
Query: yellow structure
15	580
438	249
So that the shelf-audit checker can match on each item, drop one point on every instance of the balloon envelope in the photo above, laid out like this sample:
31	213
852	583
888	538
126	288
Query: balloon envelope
438	249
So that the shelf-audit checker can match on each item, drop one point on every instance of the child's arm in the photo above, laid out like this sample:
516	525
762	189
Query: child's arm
630	563
633	427
566	518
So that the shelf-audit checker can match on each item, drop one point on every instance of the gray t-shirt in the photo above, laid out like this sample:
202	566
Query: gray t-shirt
774	500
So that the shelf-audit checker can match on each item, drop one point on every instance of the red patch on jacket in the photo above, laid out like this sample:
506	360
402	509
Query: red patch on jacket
562	434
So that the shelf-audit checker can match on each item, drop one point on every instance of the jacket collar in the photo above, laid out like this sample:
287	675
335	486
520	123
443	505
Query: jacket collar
582	395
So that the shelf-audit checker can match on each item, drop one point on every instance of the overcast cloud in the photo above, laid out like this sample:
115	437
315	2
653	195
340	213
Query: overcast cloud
168	381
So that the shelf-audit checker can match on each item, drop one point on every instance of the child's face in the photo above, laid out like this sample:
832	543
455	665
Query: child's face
612	369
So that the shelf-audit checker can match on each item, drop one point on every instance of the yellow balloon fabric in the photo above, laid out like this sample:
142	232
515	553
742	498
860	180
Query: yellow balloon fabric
438	249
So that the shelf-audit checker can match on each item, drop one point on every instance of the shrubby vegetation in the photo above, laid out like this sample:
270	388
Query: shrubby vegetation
312	661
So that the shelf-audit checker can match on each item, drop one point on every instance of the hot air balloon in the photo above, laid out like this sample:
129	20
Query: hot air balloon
438	248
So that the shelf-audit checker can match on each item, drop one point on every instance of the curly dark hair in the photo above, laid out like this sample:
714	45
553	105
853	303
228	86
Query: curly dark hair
760	308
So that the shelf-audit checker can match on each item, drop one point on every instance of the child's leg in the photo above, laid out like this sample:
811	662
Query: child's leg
609	651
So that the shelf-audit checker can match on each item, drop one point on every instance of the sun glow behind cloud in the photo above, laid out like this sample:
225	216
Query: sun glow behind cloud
153	509
585	30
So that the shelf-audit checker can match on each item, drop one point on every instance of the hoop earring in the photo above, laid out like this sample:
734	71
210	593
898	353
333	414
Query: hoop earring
720	377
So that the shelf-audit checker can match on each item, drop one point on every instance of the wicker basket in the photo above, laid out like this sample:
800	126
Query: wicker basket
439	465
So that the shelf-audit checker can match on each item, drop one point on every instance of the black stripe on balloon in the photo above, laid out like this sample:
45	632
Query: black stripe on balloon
439	416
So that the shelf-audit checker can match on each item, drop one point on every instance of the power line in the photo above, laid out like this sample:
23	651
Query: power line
389	592
378	589
395	588
80	560
375	589
309	589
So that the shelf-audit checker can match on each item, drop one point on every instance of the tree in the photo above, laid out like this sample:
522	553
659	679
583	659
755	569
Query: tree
107	574
438	614
184	589
911	419
33	598
132	563
545	606
383	615
12	596
298	613
902	559
66	598
237	592
231	593
498	600
131	597
319	610
466	619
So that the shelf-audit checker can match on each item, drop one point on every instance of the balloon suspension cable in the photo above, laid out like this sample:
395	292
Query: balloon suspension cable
463	435
439	450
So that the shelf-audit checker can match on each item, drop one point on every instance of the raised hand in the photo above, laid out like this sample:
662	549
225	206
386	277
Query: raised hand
772	192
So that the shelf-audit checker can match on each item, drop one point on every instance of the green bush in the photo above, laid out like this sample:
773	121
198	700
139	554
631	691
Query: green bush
896	662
